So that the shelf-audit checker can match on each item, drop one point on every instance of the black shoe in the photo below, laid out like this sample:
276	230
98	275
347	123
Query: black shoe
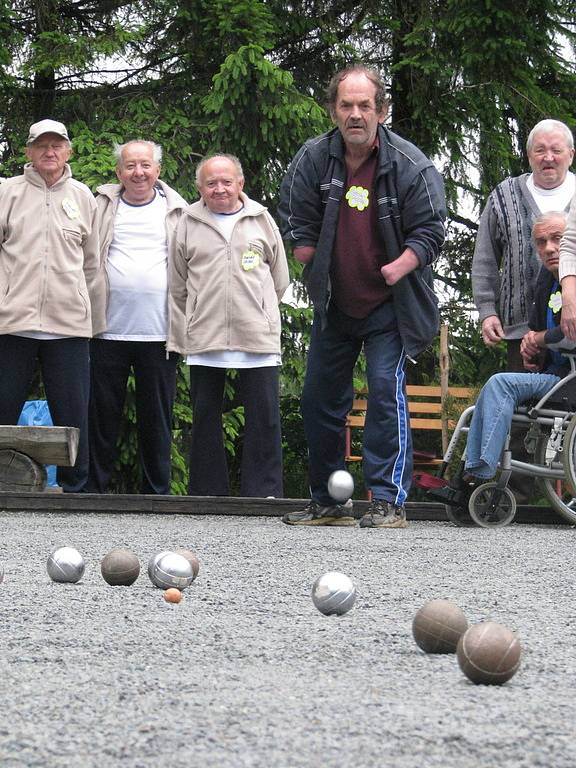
452	496
455	498
383	514
315	514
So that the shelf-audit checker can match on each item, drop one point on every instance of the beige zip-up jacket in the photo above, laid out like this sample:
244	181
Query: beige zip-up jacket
48	255
227	293
568	245
108	197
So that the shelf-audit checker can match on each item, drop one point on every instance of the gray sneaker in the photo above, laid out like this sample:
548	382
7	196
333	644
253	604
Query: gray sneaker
383	514
315	514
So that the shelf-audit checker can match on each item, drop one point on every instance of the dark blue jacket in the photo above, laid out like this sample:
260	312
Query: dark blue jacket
555	364
411	213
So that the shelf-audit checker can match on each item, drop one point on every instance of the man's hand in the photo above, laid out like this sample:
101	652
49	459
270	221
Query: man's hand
568	317
405	263
492	331
531	349
531	344
304	254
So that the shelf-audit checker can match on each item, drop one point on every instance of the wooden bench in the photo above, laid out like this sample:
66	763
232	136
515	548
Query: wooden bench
428	407
25	450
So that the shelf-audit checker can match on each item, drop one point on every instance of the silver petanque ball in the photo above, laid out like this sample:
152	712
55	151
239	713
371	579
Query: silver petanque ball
333	593
173	570
341	485
65	564
152	564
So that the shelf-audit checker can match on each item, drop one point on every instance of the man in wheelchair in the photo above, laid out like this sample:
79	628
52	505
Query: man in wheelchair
503	392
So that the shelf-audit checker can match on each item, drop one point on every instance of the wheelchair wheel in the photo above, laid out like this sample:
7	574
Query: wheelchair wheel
569	455
482	511
558	492
459	516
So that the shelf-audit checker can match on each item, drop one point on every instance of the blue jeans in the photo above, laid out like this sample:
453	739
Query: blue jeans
328	394
493	416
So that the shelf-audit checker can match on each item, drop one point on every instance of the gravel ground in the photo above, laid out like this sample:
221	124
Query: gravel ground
246	672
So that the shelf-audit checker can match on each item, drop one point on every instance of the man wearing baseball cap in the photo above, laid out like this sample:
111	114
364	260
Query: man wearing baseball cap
48	260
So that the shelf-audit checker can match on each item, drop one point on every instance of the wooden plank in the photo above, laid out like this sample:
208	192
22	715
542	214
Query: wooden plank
413	407
423	390
466	393
419	459
135	504
47	445
427	390
355	421
417	423
109	503
419	407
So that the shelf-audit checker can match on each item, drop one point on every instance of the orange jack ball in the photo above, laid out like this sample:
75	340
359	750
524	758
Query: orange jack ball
172	595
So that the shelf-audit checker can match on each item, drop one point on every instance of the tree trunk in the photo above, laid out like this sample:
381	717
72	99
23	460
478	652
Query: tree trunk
44	94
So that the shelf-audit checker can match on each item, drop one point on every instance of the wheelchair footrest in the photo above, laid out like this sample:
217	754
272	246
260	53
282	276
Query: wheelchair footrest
427	481
454	497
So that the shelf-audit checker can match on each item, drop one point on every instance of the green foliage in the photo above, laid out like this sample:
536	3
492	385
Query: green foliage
239	22
93	161
293	447
483	78
59	50
126	477
275	117
6	14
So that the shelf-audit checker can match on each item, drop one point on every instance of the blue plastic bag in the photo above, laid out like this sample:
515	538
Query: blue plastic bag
37	414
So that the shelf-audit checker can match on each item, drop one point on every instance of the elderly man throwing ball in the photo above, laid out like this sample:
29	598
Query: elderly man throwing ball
229	273
364	210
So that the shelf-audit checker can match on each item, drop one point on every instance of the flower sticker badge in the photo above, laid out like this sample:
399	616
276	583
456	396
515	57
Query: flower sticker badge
555	302
70	208
358	197
250	260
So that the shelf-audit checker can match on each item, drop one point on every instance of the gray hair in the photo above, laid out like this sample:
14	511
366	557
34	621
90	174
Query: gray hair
548	126
156	150
380	97
233	159
544	217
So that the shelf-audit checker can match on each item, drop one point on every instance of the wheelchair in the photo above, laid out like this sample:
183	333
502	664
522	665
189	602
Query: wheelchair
550	438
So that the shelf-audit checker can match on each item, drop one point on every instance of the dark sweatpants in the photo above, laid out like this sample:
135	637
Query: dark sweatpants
65	368
261	468
155	380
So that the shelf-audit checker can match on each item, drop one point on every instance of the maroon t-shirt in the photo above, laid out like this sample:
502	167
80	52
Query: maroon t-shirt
357	285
